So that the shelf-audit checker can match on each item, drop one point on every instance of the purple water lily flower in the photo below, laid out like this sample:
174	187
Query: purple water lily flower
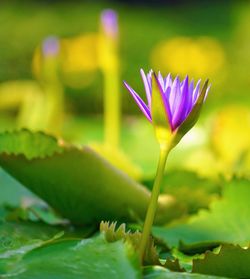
179	97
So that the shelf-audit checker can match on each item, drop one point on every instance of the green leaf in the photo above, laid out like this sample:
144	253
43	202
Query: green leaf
15	236
18	238
162	273
173	265
232	261
12	192
226	222
113	233
90	258
76	182
36	145
2	213
190	190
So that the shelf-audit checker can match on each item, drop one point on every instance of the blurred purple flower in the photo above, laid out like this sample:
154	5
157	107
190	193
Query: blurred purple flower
179	97
109	22
50	46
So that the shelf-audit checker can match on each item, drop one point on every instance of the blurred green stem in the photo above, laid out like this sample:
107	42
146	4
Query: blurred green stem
164	151
54	96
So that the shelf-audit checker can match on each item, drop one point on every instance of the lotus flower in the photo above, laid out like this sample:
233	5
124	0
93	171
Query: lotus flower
173	106
179	99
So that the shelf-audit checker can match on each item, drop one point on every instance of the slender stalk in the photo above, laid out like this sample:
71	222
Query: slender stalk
153	201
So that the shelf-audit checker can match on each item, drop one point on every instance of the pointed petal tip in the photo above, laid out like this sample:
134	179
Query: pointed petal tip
177	78
155	78
143	107
169	77
125	83
186	79
143	72
177	81
206	86
198	84
127	86
206	82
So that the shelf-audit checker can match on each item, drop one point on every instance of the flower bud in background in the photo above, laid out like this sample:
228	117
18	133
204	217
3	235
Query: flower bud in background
108	58
109	22
50	46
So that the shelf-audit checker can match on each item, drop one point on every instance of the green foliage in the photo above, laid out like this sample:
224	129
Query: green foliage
232	261
190	190
112	234
76	182
225	222
12	192
161	273
17	238
36	145
90	258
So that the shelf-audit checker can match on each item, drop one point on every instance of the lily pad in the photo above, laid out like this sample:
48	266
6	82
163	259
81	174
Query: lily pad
75	181
162	273
90	258
33	145
12	192
191	191
232	261
18	238
227	221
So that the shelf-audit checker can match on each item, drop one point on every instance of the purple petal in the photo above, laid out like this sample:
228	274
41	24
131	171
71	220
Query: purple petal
190	96
161	81
149	78
146	86
196	92
167	82
181	107
175	95
207	92
191	87
139	102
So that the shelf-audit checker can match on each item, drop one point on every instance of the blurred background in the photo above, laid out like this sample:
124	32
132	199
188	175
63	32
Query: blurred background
58	65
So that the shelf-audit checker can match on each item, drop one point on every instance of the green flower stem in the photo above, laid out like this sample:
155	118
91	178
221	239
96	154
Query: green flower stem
164	151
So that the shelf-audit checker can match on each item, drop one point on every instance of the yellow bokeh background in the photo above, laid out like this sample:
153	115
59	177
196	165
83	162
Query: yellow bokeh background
200	57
